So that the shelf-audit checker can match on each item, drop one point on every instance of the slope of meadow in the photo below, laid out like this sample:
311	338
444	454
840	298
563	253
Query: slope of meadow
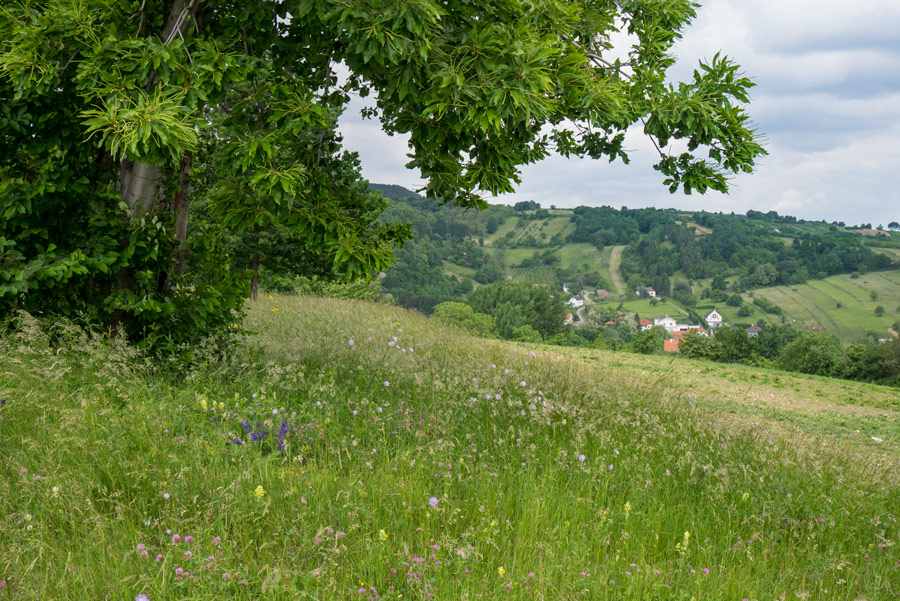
816	303
355	451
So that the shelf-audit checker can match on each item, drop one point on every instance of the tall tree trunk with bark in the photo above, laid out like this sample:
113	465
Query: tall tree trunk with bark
254	281
140	183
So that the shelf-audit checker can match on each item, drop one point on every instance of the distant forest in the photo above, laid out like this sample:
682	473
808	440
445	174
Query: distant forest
756	250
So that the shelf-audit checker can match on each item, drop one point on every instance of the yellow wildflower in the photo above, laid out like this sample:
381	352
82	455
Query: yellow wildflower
260	492
382	534
501	571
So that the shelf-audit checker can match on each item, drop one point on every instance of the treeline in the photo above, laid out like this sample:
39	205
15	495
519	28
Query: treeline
418	279
791	349
750	254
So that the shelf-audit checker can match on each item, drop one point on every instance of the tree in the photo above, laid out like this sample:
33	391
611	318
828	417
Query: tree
526	334
649	342
111	108
489	273
879	310
764	275
893	225
814	353
772	339
694	345
735	346
514	304
462	315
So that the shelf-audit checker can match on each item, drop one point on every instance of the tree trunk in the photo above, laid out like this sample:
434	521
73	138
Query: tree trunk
179	207
254	281
140	182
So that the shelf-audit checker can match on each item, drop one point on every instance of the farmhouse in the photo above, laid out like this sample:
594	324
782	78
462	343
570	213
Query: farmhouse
665	321
670	346
604	294
575	302
753	331
713	319
646	291
646	324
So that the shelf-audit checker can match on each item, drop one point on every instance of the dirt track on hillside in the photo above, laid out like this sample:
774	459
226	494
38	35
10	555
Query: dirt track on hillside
615	259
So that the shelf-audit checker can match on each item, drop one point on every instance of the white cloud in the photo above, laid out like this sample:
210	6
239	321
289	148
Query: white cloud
827	100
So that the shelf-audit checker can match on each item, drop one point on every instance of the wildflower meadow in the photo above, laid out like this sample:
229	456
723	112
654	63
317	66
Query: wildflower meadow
350	450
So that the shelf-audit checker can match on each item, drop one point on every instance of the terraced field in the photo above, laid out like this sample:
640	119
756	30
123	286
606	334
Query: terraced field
816	303
537	275
577	255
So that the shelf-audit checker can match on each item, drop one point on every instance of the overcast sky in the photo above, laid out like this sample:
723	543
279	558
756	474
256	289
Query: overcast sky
827	100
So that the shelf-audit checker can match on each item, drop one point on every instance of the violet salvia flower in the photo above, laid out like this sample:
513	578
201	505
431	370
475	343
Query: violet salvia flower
282	434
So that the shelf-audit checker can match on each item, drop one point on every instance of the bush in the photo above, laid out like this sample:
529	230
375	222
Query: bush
767	306
463	316
734	300
814	353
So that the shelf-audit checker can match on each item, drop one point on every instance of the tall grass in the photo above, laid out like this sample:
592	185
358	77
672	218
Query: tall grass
418	463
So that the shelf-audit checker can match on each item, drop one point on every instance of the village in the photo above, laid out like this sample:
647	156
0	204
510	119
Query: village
712	320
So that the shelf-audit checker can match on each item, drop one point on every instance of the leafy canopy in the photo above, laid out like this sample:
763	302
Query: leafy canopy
119	119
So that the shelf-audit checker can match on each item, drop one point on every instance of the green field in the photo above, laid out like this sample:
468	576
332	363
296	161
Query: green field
460	271
349	450
514	256
507	226
537	275
557	225
893	253
814	304
646	309
579	255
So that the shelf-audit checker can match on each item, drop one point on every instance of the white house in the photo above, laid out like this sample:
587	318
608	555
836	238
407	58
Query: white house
646	291
575	302
665	321
714	319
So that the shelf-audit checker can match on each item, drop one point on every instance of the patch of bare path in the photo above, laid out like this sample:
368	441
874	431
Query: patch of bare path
615	260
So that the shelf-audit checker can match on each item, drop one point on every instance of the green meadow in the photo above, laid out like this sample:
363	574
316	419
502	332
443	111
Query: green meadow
349	450
815	303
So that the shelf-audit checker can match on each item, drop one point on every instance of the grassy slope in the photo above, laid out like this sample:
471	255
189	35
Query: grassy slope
815	303
780	494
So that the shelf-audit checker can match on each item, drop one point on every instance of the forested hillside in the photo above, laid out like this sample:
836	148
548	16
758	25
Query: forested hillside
529	243
693	262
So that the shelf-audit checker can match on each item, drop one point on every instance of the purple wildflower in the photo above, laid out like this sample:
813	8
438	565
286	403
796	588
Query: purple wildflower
282	434
433	501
